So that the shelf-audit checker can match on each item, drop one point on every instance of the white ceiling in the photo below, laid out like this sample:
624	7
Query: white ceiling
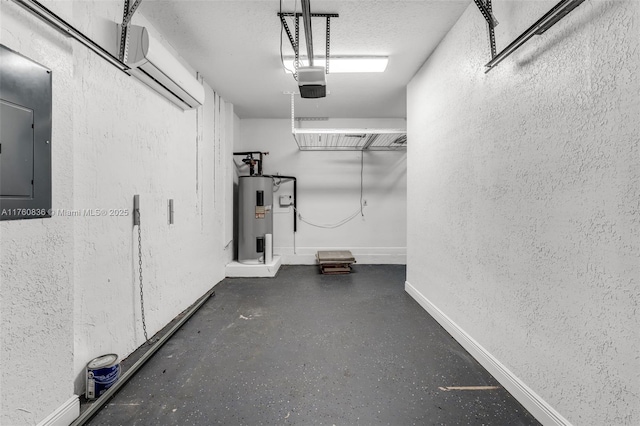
235	45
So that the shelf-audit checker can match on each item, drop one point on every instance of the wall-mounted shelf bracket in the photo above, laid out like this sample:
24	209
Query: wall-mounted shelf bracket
549	19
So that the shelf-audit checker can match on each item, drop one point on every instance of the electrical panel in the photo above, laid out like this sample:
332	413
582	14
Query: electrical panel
25	137
286	200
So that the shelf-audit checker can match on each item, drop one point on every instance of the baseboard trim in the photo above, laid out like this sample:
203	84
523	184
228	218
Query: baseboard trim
235	269
363	255
65	414
539	408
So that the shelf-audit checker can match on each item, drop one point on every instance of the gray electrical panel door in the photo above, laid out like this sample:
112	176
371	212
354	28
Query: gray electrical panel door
25	137
16	151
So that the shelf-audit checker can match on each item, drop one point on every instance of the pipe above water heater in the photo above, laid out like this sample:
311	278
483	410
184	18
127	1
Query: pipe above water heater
250	160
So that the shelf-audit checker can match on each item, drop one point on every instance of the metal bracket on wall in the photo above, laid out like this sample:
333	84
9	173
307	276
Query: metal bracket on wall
548	20
492	22
126	20
492	33
124	35
67	29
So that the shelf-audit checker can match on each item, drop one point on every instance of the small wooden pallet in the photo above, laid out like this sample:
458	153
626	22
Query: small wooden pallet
335	262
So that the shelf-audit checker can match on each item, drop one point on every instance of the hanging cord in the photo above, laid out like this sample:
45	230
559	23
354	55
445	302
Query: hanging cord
348	218
330	225
144	323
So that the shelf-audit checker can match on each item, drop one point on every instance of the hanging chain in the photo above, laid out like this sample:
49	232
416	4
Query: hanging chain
144	323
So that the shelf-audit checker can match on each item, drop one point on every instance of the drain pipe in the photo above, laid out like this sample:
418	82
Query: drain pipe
105	397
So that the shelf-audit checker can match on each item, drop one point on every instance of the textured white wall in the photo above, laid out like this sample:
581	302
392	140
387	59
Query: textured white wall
524	189
36	256
69	284
329	190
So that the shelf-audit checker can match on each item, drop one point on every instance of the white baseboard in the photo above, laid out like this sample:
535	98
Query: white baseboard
64	415
540	409
235	269
363	255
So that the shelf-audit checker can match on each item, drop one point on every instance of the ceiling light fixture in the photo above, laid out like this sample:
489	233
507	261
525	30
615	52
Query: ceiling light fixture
343	64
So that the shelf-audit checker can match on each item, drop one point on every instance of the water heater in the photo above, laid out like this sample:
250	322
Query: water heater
255	219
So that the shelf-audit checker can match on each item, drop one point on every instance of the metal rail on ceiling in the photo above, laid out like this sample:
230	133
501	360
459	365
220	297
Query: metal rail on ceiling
313	15
308	35
295	41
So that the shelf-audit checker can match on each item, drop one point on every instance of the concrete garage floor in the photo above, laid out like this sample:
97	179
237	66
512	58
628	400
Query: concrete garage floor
305	348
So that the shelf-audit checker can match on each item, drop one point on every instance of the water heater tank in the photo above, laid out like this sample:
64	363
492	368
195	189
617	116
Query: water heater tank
255	219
